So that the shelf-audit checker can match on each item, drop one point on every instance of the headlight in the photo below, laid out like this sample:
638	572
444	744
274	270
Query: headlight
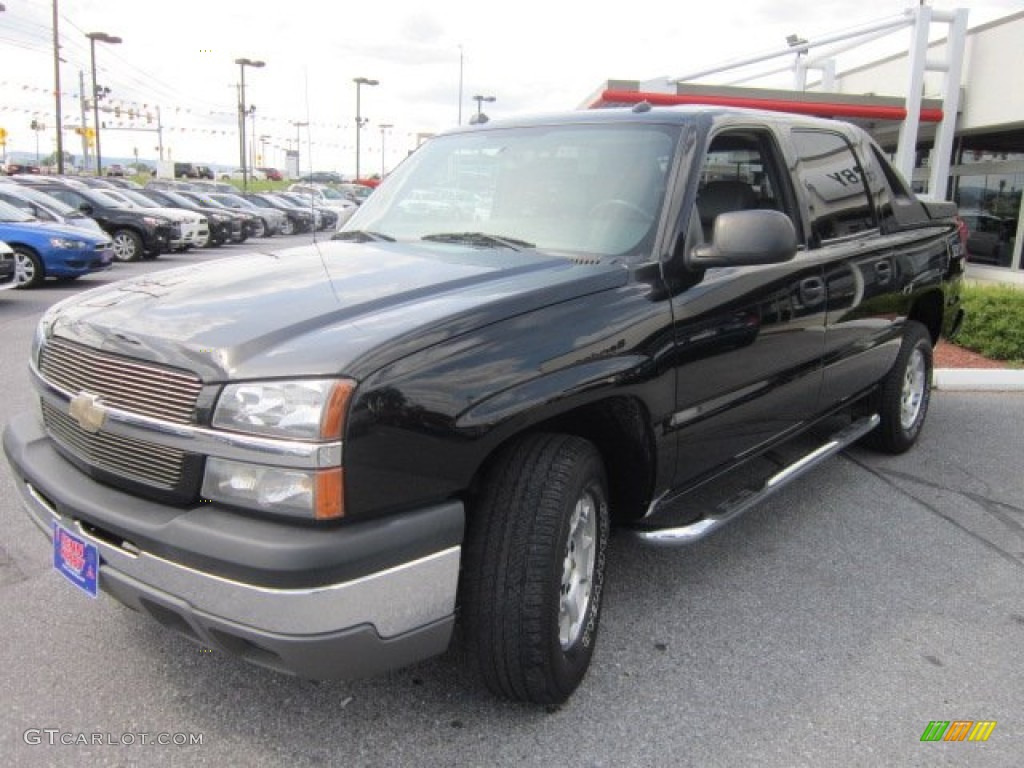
63	242
310	494
151	221
303	409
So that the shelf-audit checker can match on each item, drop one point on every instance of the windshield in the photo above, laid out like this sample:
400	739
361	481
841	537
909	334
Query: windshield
48	202
11	214
111	198
181	200
594	189
138	199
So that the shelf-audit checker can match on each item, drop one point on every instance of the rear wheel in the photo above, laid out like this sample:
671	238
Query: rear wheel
28	267
534	566
127	245
901	401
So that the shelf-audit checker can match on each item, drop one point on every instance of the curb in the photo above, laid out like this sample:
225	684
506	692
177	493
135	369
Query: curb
978	379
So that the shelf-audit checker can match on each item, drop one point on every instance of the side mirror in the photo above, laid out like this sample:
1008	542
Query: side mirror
747	238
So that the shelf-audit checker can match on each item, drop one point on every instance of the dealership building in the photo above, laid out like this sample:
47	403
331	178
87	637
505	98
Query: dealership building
962	138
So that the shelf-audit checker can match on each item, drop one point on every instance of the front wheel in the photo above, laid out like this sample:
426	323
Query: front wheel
28	269
288	227
127	245
534	565
902	398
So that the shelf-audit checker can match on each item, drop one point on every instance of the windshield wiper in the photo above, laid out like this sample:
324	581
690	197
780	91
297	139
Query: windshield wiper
479	238
363	236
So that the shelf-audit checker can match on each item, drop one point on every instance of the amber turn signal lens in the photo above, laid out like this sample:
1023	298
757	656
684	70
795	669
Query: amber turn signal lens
330	494
332	423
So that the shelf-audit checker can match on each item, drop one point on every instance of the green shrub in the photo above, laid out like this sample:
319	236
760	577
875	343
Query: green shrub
994	323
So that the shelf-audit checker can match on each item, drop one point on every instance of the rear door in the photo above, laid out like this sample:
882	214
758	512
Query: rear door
866	271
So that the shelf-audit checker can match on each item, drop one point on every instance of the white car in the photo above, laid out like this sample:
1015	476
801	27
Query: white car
7	276
329	198
236	173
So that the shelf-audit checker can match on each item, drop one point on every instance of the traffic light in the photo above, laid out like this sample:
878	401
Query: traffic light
90	137
3	136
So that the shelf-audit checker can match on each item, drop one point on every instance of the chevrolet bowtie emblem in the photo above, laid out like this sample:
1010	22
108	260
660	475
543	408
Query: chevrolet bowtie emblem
88	411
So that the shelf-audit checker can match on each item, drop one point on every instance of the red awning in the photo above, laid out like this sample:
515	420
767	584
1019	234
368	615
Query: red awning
611	97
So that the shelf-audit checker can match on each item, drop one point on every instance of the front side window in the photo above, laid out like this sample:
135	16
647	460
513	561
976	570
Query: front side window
833	180
595	189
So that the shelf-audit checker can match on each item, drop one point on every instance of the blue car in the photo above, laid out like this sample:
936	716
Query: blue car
43	250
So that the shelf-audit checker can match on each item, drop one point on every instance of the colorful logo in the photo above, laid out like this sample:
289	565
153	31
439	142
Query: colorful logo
958	730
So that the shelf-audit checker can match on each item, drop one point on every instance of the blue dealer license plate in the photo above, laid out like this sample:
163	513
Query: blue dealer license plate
76	559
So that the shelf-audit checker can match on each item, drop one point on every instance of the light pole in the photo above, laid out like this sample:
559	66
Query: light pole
384	128
242	64
95	37
360	122
56	90
479	104
298	143
460	82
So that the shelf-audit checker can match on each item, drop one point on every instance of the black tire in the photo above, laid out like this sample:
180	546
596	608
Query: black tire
28	267
525	538
902	399
288	227
127	245
259	229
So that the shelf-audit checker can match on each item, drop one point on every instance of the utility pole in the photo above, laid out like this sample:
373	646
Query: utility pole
56	90
82	122
160	133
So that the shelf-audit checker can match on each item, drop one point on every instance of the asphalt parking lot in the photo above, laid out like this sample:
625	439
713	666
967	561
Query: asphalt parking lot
827	627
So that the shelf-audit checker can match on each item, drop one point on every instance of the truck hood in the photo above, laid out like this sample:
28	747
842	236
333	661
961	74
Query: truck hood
333	308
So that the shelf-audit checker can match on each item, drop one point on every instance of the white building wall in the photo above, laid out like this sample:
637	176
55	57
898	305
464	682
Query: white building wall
993	76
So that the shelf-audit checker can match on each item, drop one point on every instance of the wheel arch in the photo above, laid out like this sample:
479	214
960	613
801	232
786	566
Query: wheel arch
619	428
927	309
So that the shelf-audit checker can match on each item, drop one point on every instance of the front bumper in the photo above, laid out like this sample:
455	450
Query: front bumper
319	603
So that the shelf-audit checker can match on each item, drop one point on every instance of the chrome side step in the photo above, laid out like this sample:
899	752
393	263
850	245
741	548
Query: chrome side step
750	497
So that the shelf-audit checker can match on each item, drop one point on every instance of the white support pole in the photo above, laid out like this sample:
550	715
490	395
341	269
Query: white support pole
906	149
943	146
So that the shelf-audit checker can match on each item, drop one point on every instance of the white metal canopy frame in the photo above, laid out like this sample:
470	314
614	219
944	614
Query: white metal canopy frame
920	20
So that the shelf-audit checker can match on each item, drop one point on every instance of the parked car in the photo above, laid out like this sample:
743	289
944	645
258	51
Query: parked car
323	177
193	228
225	226
186	171
325	216
12	169
327	197
7	267
135	233
116	169
252	225
272	174
297	219
988	238
273	219
255	174
43	250
357	193
46	207
434	420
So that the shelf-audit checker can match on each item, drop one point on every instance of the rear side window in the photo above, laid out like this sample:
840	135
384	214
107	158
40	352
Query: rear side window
834	183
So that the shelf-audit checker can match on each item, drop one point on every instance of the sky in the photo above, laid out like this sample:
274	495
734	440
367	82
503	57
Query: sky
530	55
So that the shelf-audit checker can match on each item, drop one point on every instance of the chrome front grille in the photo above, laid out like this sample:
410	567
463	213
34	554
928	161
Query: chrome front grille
143	462
139	387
